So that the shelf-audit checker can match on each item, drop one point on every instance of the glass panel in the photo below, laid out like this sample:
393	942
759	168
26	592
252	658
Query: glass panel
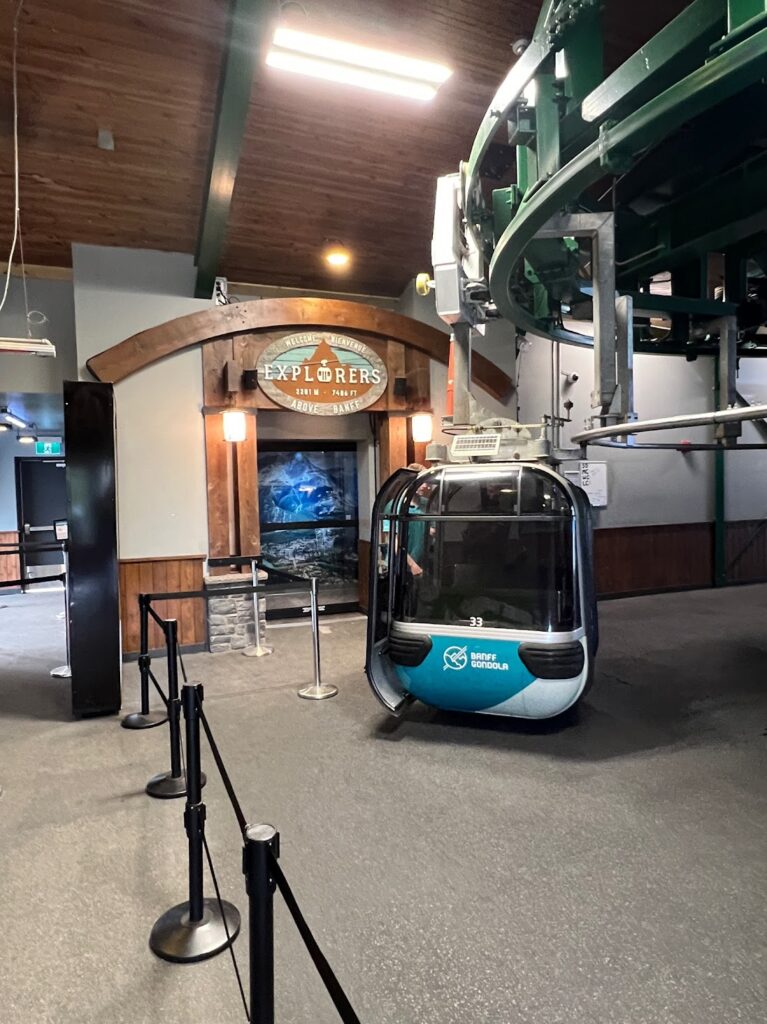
492	494
307	486
383	532
543	495
328	553
424	500
512	574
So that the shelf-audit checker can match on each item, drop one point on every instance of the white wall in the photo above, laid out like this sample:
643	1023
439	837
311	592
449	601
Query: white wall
35	373
161	482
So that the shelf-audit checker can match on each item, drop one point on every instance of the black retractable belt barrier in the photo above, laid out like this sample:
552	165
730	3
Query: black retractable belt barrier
22	548
31	580
262	874
199	928
145	718
167	785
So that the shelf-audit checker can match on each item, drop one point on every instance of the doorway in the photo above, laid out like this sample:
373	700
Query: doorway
41	500
309	510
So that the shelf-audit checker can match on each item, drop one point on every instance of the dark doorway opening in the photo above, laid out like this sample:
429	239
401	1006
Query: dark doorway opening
309	511
41	499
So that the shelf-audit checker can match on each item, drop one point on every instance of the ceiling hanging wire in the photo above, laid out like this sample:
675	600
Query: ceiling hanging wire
32	317
15	89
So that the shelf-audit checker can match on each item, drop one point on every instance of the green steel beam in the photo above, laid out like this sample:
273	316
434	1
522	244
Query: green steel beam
584	57
547	115
670	55
722	77
248	25
741	11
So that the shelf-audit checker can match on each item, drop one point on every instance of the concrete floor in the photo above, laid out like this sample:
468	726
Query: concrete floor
455	869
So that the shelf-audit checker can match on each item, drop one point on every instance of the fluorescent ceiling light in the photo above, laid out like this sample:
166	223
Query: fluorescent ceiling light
14	420
350	64
29	346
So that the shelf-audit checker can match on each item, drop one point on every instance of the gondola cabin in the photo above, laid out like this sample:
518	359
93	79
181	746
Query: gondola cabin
482	594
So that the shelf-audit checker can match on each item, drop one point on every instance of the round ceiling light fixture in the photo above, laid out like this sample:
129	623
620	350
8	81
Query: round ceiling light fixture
336	255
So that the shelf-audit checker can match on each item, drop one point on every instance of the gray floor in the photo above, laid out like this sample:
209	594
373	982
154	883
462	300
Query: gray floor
455	869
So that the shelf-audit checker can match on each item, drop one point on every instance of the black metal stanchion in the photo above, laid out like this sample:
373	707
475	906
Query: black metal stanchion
198	928
171	784
262	842
145	718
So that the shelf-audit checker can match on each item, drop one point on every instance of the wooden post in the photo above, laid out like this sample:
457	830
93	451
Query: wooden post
218	464
393	444
248	521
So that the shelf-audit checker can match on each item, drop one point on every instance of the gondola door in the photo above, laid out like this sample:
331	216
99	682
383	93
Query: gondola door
384	544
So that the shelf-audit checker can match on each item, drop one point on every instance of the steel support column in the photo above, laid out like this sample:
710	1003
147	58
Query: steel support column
720	538
600	228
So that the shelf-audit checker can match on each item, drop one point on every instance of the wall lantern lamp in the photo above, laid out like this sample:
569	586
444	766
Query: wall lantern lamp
235	427
422	427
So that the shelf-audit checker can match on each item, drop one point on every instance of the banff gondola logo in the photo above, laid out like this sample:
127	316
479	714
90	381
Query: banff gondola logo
457	658
321	373
454	658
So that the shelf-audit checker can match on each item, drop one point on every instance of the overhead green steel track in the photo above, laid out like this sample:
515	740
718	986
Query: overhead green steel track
248	25
697	86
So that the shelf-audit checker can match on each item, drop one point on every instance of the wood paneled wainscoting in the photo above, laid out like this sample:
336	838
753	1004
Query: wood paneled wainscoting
746	551
9	564
156	576
676	556
637	559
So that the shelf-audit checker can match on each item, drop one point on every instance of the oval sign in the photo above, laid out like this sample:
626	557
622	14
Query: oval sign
321	373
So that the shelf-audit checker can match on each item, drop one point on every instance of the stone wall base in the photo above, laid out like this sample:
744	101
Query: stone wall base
231	624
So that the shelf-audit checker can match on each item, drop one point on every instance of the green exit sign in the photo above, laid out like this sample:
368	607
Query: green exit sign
47	447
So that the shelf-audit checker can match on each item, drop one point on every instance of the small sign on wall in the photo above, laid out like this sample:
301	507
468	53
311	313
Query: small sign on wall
48	447
592	477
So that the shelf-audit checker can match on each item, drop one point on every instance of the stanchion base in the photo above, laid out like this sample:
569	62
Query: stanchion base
321	692
176	938
61	672
166	786
138	720
257	652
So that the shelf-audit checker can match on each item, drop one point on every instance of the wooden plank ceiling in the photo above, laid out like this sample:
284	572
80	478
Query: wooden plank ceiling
319	160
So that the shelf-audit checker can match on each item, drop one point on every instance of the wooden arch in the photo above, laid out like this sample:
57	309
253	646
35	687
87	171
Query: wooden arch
120	361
